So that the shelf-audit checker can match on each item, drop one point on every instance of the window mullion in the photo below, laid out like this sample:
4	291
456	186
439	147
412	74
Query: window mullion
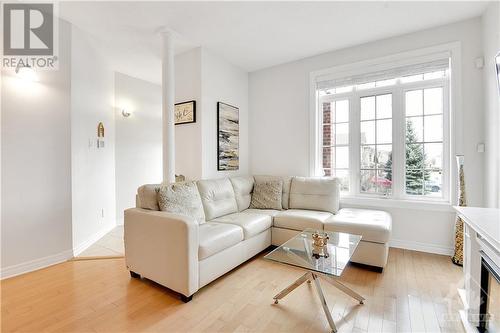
398	142
447	155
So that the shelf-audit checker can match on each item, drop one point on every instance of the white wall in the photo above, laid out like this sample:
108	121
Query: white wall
200	76
138	139
222	82
36	166
188	139
279	122
93	169
491	46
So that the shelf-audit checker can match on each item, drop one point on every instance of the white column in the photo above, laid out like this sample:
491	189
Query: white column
167	102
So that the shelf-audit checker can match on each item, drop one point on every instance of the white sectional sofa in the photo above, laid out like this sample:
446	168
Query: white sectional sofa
183	255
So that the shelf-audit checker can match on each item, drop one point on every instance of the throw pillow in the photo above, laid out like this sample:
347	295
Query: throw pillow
181	198
147	197
267	194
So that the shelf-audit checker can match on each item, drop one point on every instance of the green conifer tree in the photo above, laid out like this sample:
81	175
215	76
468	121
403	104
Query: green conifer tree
416	175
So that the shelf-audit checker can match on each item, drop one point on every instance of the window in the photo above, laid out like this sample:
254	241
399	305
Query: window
424	142
386	133
376	144
336	141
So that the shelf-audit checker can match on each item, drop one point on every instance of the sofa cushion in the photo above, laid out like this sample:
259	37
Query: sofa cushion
252	224
315	193
181	198
297	219
286	187
372	225
267	194
217	196
242	187
215	237
147	197
270	212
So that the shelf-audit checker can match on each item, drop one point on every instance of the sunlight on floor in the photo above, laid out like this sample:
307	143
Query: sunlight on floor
110	244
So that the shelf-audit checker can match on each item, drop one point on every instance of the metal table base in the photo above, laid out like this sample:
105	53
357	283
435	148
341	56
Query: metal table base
315	277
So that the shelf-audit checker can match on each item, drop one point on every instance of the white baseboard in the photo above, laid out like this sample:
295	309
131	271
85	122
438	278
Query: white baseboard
36	264
469	328
40	263
422	247
91	240
463	297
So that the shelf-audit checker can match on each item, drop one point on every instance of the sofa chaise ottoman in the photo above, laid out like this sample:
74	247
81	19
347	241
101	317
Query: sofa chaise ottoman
184	255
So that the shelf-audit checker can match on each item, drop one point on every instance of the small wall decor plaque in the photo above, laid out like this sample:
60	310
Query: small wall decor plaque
185	113
100	135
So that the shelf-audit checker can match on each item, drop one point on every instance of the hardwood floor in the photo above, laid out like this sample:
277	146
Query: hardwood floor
416	293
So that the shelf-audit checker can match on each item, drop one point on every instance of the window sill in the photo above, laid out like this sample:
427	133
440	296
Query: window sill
428	205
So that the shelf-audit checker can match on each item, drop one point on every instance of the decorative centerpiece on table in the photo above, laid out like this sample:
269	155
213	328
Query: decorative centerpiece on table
319	244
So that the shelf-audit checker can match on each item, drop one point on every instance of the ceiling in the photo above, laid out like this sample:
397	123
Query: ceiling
251	35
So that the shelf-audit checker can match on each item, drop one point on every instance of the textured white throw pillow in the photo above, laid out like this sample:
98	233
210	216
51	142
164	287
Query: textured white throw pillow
181	198
267	194
286	186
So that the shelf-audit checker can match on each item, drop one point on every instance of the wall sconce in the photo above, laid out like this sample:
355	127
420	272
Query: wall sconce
497	66
26	73
126	113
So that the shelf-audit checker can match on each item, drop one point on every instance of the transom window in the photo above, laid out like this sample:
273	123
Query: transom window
387	136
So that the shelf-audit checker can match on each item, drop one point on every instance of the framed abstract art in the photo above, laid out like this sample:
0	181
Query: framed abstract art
228	137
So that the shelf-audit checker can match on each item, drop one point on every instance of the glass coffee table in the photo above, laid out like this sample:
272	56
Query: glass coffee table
298	252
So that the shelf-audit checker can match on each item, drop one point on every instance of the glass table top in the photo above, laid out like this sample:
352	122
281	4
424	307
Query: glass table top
298	252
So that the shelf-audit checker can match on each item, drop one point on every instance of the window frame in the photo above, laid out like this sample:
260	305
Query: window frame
451	93
422	85
376	91
332	134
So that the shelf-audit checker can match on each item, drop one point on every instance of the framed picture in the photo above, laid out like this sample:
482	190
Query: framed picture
228	137
497	65
185	113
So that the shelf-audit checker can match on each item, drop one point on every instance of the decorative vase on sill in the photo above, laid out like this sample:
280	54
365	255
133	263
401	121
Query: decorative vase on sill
458	256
